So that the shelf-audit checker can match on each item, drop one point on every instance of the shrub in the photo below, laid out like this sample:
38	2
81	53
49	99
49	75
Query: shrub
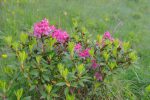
52	64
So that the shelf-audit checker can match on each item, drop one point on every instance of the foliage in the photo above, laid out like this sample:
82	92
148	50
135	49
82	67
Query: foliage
58	65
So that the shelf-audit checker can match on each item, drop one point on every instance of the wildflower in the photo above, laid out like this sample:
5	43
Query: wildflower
98	76
107	36
85	53
43	28
94	64
60	35
78	47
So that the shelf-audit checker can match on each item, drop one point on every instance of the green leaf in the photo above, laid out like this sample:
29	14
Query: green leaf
8	70
43	93
114	52
147	88
70	97
99	38
31	47
116	43
112	65
74	84
61	84
15	45
80	69
49	88
38	59
27	98
71	48
76	36
51	55
3	85
96	84
85	80
81	83
32	87
8	40
126	46
23	37
19	93
34	72
133	56
22	56
66	91
84	30
60	68
46	78
106	56
91	51
52	41
65	73
54	95
75	22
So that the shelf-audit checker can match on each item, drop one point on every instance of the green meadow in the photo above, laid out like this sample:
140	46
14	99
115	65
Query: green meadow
128	20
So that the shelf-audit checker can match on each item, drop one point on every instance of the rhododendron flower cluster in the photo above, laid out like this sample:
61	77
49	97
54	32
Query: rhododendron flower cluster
60	35
94	64
44	29
82	53
78	47
107	35
98	76
85	53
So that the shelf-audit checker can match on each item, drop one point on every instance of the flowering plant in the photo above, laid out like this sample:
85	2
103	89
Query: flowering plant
53	64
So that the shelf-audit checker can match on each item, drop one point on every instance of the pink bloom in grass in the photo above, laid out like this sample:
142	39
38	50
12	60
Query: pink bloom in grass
85	53
107	35
78	47
98	76
94	64
42	28
60	35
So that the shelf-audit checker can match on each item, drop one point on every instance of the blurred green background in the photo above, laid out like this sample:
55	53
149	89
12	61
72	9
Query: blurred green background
128	20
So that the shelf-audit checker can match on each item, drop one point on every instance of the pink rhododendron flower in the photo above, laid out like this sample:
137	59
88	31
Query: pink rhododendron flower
78	47
94	64
98	76
42	28
107	36
60	35
85	53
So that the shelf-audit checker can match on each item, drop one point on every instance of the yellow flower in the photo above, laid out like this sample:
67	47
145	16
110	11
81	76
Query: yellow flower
4	55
